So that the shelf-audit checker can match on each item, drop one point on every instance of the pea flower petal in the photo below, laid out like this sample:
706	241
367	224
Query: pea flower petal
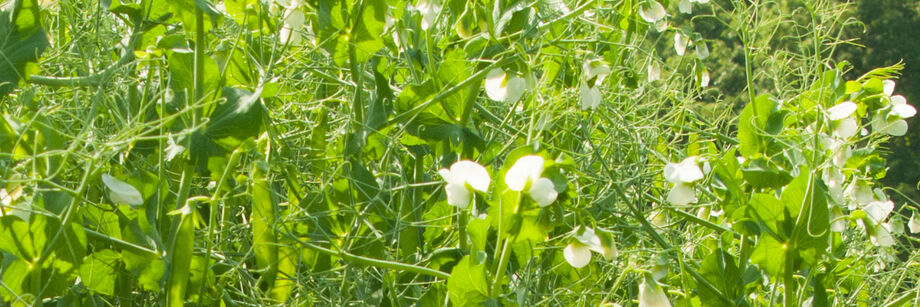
900	107
841	110
652	11
543	192
914	224
527	168
462	176
685	6
651	295
501	88
590	97
576	254
684	172
681	194
121	192
680	43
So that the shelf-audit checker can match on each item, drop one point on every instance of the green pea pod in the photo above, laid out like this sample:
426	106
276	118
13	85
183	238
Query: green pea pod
264	241
182	248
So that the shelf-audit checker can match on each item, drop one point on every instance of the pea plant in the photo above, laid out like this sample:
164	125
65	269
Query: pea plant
446	152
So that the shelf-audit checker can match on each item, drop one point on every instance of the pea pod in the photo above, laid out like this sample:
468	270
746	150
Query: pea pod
183	244
264	241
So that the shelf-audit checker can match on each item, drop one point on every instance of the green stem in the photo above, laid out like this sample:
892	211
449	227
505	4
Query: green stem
372	261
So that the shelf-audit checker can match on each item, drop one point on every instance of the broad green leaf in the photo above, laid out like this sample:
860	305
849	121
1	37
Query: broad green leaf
762	173
366	35
753	122
770	211
13	277
98	271
467	285
770	254
806	198
22	41
16	238
720	271
238	118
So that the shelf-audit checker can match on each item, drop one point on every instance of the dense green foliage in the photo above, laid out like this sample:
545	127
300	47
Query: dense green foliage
489	152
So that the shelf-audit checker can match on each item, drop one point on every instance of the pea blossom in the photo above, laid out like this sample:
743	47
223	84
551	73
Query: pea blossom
841	116
879	231
121	192
682	175
500	87
652	11
429	10
914	224
651	295
595	73
680	43
891	120
578	253
527	171
463	178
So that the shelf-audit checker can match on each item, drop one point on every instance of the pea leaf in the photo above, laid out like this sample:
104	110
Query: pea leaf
467	285
98	271
22	40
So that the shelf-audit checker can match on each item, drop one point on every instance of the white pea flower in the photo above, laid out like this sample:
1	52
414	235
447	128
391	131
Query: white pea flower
682	175
685	6
841	115
680	43
462	178
702	50
900	108
429	10
861	193
528	170
654	72
121	192
704	78
879	231
891	121
834	179
914	224
590	96
595	72
501	88
578	254
293	21
661	25
651	295
652	11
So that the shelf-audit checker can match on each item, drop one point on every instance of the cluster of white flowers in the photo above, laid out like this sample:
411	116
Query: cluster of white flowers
890	120
466	177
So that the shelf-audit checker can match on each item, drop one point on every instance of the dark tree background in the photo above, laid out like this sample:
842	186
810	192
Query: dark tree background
892	35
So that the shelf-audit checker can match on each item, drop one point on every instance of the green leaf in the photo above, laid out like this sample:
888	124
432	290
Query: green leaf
15	238
769	211
753	123
240	117
467	285
762	173
806	199
720	271
13	278
367	35
770	255
22	41
98	271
